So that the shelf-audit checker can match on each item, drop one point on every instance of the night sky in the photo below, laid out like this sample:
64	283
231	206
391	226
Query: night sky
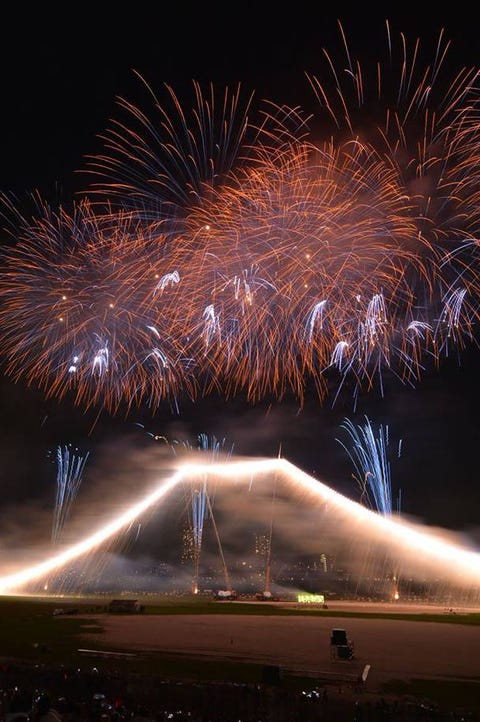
60	80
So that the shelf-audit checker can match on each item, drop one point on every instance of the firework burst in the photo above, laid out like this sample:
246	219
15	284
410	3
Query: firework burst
236	256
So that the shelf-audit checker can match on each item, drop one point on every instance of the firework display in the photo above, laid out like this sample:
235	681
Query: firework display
461	564
369	454
199	502
259	257
70	468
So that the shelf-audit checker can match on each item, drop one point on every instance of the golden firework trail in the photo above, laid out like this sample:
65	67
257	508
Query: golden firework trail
411	539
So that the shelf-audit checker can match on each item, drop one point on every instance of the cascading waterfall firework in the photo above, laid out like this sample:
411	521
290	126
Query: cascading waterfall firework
369	453
70	468
200	504
418	547
199	507
70	464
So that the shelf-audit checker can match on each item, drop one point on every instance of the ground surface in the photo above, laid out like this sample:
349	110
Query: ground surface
395	649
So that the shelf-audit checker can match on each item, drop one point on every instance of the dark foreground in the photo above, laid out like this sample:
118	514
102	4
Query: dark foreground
90	695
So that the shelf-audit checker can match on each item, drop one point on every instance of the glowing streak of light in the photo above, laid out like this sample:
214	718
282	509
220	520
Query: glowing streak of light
464	562
370	459
70	467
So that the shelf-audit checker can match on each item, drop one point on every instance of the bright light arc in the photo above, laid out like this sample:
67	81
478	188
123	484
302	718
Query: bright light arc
466	563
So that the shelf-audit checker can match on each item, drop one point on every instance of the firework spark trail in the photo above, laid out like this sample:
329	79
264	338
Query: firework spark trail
245	310
154	165
250	257
101	329
459	563
201	500
70	467
369	454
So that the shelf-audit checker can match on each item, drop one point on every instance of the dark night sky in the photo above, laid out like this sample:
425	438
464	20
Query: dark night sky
60	78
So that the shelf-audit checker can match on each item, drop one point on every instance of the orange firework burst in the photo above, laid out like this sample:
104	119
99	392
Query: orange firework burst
254	257
82	311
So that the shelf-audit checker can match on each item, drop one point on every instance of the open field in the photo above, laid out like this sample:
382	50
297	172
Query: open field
405	645
395	648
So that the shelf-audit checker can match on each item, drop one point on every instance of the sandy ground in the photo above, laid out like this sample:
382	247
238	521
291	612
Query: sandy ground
395	649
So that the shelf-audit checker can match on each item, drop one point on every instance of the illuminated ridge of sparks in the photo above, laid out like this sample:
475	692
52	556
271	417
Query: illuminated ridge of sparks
466	563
